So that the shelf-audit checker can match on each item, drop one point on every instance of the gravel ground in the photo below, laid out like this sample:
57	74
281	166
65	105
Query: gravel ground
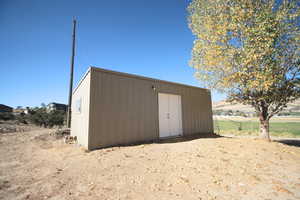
35	165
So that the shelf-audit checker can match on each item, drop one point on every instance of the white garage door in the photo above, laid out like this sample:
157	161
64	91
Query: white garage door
170	120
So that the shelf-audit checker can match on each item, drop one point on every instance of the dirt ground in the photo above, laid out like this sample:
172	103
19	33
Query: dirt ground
34	165
15	126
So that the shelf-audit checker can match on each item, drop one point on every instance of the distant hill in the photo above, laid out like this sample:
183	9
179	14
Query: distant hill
223	105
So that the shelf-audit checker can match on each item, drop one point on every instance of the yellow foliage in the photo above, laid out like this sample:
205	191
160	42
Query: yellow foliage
236	41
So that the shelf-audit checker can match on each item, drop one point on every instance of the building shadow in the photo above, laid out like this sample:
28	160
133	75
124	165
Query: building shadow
176	139
290	142
186	138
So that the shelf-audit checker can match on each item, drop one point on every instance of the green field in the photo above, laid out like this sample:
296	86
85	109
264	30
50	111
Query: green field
284	129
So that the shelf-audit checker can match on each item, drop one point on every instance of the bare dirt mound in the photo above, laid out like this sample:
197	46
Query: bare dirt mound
34	165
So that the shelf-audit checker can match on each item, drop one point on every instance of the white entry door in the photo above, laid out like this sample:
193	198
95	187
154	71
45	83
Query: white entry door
170	120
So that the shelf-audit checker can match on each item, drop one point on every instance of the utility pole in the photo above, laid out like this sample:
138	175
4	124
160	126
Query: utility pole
71	75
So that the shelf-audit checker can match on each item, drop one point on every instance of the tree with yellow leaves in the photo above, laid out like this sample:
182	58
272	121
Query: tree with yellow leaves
250	50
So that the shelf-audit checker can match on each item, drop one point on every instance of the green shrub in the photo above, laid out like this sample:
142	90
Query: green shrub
6	116
41	117
56	118
22	118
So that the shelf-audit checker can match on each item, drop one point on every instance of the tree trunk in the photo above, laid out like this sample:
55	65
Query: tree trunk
264	129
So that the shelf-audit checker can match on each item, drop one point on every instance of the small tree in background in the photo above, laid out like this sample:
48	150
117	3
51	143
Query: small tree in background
250	50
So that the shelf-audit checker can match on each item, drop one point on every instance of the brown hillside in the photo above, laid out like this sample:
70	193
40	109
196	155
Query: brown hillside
223	105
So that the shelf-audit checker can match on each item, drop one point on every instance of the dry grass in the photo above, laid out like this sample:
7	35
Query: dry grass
223	105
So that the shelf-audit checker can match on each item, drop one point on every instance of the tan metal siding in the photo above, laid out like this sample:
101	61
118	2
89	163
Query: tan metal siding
124	108
80	121
196	108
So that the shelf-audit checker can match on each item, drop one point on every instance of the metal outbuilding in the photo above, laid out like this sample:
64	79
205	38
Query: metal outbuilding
112	108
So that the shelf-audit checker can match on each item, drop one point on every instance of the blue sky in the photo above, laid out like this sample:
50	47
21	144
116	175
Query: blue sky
148	38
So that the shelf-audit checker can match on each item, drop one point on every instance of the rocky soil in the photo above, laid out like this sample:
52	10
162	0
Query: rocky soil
14	126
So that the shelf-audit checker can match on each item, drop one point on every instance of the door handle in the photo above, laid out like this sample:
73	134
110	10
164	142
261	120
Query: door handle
168	115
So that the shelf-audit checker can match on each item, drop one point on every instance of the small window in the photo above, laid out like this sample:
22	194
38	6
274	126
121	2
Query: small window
78	106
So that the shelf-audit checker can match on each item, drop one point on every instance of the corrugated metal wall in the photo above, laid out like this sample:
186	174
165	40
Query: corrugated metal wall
124	108
80	120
